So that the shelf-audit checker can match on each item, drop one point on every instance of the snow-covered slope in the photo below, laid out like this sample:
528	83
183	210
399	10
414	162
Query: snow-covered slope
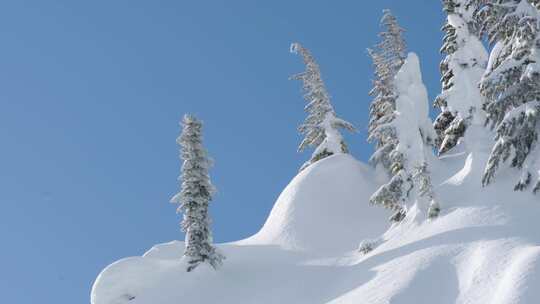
484	248
324	209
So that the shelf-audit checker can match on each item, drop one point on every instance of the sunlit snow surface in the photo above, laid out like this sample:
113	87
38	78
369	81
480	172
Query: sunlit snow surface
484	248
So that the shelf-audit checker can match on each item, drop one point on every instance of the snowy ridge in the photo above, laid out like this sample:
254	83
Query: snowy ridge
484	248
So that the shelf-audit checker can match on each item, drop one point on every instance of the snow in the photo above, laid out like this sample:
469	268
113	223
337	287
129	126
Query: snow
413	98
468	63
331	218
484	248
333	140
412	108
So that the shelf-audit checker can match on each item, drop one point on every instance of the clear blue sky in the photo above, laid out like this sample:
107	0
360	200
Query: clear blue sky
91	95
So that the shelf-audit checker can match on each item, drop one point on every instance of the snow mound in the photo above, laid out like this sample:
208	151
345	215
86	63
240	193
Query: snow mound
325	208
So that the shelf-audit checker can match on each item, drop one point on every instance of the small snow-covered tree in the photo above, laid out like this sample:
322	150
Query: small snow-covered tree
399	123
511	85
195	195
460	101
426	195
321	129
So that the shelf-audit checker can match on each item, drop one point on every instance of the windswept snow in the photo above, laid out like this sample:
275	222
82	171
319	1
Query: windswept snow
484	248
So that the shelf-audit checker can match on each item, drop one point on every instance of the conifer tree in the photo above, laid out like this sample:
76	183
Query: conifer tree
460	101
195	195
511	86
388	57
399	123
393	47
426	194
413	134
321	129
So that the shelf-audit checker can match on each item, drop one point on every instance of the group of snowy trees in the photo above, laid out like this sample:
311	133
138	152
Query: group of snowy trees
481	92
399	123
511	87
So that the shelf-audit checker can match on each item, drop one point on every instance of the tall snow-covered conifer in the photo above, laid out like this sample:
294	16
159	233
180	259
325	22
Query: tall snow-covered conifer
460	101
388	57
195	195
399	123
321	129
511	86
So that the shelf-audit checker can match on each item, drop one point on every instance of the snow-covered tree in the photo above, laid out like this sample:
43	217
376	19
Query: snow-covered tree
426	195
321	129
195	195
393	47
399	123
460	101
388	57
511	86
413	134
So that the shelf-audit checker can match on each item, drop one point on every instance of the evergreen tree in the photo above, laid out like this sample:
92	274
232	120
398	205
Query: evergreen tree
321	127
413	133
426	195
511	86
393	47
388	57
399	123
195	195
460	101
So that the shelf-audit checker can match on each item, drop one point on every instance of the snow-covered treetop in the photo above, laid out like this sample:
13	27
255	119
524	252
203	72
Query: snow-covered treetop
466	58
460	101
392	45
196	185
321	127
511	86
513	27
388	57
412	107
500	18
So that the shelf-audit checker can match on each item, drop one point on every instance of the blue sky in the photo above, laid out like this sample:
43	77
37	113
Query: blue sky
91	95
